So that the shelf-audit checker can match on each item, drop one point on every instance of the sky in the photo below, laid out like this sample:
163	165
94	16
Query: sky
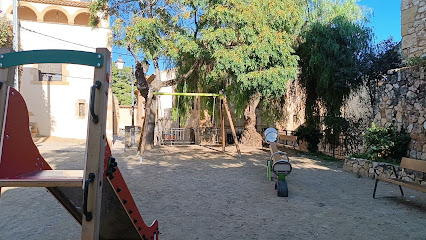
385	21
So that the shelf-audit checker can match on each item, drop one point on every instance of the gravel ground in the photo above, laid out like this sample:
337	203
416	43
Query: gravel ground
201	193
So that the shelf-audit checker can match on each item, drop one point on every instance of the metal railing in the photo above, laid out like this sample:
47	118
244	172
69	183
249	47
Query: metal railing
339	150
177	136
202	136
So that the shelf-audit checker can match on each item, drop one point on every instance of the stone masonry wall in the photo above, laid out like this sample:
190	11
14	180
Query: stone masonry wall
402	102
413	28
365	168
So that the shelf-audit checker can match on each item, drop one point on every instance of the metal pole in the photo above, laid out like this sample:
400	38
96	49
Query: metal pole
132	129
16	40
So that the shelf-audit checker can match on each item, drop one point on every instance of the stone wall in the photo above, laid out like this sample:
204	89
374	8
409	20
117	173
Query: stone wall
413	28
402	102
365	168
294	107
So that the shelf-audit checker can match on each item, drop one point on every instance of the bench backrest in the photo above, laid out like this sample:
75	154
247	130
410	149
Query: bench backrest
288	137
413	164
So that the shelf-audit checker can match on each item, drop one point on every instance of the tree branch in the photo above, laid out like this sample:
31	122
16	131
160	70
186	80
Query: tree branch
185	76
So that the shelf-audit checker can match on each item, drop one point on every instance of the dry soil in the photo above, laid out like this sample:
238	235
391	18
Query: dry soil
199	192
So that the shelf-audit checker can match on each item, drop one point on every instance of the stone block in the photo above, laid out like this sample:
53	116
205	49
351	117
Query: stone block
411	95
355	167
407	179
413	154
406	4
399	116
410	128
408	15
363	172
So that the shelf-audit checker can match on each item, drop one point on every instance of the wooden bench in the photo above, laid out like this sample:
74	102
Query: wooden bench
406	163
284	137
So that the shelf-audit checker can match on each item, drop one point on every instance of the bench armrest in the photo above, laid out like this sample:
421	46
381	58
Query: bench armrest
386	165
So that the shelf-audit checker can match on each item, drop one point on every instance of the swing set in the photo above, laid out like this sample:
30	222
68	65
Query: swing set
223	109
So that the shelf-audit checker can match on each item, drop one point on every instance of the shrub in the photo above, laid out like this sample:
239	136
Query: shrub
310	135
6	32
386	142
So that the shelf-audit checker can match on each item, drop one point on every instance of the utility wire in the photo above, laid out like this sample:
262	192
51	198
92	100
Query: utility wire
79	44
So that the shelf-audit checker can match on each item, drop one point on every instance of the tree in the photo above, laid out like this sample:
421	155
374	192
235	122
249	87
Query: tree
244	47
144	28
333	42
247	48
6	33
121	85
377	61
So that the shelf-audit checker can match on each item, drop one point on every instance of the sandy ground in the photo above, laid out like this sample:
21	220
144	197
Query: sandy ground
201	193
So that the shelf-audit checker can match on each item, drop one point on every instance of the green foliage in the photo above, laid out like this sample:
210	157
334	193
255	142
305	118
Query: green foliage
334	127
417	61
310	135
140	26
333	41
246	46
252	43
6	33
121	85
376	62
386	142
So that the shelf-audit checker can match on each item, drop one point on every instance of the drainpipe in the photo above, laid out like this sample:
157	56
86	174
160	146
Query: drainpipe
16	40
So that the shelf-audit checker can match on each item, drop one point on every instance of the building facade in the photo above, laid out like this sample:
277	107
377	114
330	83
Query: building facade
57	95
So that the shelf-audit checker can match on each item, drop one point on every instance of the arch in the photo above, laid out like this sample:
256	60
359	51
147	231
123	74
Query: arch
55	14
82	19
26	12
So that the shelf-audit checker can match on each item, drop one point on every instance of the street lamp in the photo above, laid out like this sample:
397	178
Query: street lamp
120	65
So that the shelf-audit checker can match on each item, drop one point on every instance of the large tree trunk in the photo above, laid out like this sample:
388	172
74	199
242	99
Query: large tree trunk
150	128
151	110
250	136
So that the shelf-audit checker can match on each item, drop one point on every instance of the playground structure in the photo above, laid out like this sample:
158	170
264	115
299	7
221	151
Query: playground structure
278	166
178	133
97	197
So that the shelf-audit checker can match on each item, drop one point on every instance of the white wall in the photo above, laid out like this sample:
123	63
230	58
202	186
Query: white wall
166	101
53	105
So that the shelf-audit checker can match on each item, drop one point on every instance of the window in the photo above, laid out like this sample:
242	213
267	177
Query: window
50	72
81	109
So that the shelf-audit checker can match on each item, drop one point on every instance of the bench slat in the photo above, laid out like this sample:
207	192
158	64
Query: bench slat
46	178
288	138
413	164
404	183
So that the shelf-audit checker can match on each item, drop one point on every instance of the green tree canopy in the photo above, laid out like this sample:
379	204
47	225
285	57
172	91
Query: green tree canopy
121	84
247	48
334	40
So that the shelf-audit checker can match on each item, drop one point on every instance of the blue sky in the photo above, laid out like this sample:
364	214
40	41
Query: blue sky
386	19
385	22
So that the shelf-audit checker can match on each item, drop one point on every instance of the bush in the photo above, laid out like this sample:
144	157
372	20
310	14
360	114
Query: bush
310	135
6	33
385	143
